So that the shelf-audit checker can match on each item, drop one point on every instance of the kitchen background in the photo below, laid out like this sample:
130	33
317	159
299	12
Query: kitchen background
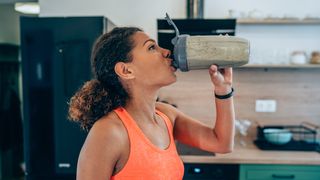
271	44
277	30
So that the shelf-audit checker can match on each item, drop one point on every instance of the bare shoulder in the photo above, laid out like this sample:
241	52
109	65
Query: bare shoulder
168	110
103	147
107	130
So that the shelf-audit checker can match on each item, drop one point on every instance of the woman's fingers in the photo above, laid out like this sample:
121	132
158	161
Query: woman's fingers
215	75
227	73
220	76
213	70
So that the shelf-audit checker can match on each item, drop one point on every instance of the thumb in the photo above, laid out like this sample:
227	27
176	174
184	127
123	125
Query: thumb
213	70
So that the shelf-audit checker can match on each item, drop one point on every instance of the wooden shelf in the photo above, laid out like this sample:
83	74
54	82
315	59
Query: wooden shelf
278	21
311	66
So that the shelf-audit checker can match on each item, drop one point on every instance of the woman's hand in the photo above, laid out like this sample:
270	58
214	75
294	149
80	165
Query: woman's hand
222	79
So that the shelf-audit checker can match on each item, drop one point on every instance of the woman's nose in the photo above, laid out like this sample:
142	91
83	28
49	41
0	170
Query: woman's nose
166	53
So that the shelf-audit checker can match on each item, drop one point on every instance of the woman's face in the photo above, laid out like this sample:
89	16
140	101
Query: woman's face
150	63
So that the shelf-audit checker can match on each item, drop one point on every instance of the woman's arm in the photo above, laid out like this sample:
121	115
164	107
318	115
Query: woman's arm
224	129
195	133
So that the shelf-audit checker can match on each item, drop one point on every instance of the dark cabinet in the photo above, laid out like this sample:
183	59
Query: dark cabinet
55	56
211	171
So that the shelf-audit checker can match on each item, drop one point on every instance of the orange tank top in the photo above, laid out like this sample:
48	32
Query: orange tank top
147	161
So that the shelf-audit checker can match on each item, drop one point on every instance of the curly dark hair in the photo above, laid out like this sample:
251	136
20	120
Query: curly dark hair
104	93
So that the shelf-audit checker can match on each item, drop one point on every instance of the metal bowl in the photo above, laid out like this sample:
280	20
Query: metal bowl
277	136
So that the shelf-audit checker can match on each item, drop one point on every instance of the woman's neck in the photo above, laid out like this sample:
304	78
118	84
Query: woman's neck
141	105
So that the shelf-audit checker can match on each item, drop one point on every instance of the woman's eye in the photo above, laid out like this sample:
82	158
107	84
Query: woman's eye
152	47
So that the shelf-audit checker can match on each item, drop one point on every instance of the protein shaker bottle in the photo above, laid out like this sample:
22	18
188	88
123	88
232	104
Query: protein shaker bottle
200	52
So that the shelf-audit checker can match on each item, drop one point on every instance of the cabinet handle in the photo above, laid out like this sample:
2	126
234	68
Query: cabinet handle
275	176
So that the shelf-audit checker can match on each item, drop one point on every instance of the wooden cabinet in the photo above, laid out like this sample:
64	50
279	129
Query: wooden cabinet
274	172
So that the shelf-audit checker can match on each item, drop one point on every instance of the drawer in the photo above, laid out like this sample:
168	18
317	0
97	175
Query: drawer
276	174
280	172
198	171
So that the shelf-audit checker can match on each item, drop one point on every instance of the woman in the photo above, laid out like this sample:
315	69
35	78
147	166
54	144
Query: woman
131	135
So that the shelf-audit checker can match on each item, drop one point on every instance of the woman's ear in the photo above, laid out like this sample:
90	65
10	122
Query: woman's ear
124	70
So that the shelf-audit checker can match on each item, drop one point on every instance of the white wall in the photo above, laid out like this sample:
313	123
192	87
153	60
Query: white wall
9	24
141	13
272	43
279	8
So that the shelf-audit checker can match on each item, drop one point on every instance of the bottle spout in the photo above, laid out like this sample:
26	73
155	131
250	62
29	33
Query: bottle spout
170	22
174	63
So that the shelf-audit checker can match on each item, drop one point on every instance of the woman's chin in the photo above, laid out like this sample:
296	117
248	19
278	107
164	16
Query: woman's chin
174	79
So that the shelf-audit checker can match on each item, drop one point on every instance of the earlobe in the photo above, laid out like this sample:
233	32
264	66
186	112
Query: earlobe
123	70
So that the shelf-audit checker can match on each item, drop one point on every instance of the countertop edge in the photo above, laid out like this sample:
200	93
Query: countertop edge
222	160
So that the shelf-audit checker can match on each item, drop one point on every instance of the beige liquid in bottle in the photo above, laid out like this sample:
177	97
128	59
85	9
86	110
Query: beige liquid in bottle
225	51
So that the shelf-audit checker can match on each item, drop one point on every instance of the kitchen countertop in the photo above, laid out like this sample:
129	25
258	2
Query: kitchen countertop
250	154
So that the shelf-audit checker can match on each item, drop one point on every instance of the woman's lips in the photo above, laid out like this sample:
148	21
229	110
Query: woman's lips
173	69
173	66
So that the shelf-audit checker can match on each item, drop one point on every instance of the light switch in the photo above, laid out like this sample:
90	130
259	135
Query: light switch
266	105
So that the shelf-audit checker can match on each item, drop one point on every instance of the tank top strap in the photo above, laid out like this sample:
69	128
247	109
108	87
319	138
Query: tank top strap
166	120
124	117
130	125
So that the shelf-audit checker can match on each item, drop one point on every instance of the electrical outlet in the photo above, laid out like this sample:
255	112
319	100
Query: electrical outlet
267	105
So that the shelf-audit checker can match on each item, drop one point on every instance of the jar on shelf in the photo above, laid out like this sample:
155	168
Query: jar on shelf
298	57
315	57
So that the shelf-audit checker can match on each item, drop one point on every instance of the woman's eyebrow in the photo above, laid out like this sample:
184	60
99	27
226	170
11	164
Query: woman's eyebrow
148	40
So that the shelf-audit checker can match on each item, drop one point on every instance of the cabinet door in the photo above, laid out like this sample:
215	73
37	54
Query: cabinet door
211	171
274	172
